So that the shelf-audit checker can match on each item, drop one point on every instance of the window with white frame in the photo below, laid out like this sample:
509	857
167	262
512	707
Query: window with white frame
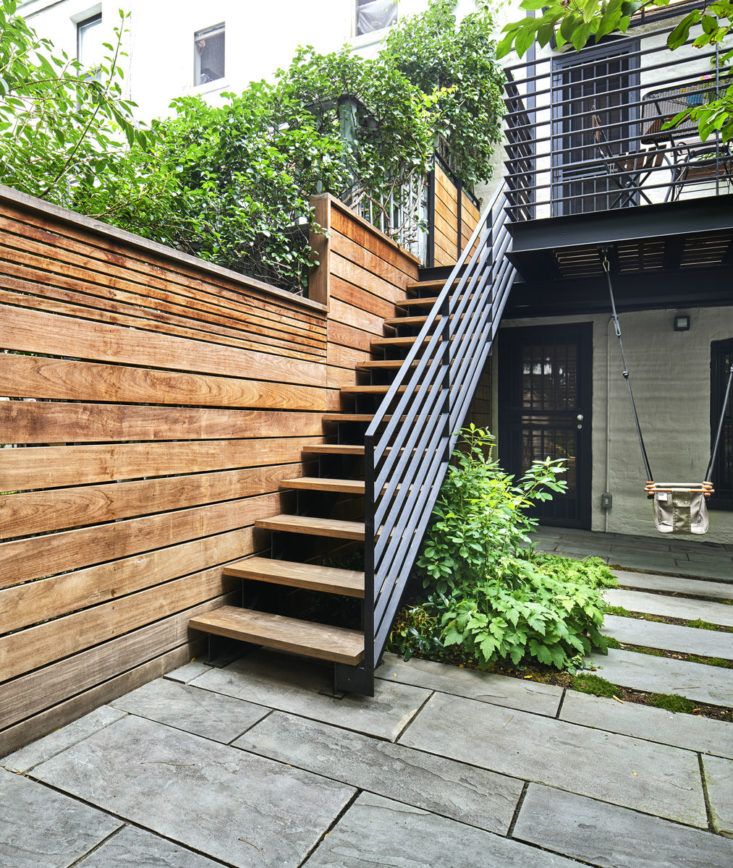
208	54
372	15
89	39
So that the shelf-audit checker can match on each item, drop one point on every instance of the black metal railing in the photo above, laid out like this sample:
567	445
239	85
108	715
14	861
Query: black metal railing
410	440
589	130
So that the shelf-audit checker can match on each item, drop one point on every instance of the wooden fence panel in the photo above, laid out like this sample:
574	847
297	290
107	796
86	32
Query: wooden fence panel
150	407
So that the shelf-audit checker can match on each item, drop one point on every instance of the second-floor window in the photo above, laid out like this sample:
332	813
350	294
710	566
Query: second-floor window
89	48
374	15
208	54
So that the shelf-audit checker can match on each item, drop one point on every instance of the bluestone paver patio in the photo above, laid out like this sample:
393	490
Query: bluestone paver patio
420	775
669	637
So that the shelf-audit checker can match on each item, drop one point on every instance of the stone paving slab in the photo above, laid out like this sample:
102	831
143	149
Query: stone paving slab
443	786
701	683
201	712
220	801
719	782
669	637
272	680
186	673
44	748
675	585
607	835
671	607
43	829
702	734
377	831
139	849
649	777
483	686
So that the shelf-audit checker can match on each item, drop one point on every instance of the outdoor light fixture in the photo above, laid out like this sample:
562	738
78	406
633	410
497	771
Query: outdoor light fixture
682	322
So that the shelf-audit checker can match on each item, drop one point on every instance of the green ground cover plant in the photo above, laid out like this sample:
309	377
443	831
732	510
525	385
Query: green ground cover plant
488	596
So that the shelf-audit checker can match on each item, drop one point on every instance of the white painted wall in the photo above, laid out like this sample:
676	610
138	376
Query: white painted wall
671	376
260	37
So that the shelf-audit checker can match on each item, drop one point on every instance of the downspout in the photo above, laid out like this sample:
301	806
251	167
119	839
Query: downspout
607	482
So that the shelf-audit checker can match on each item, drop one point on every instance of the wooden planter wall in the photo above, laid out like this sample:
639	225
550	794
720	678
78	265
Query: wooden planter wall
454	216
150	405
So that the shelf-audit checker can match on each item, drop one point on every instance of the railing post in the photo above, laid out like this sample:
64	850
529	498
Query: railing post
445	313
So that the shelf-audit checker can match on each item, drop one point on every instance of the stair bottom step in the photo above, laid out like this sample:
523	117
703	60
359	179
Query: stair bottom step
309	639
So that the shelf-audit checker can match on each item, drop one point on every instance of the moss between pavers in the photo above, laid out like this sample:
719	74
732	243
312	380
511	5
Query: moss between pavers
698	623
597	686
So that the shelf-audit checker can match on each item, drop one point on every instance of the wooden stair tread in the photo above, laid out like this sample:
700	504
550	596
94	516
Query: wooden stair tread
313	526
394	342
438	284
383	364
312	577
334	449
285	634
409	320
351	417
419	302
368	390
320	483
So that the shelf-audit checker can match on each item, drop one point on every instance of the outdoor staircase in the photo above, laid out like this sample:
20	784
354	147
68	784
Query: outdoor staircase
370	489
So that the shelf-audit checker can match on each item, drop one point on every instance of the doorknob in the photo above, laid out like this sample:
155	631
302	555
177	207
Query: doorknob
579	417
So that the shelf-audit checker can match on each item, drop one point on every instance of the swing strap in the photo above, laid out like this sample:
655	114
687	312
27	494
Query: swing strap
626	372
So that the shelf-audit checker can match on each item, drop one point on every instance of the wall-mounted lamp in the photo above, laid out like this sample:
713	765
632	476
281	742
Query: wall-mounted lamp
682	322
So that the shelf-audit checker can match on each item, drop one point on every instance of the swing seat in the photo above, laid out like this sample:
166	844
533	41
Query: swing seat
680	507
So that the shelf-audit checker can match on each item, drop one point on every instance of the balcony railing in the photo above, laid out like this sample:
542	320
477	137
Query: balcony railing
589	131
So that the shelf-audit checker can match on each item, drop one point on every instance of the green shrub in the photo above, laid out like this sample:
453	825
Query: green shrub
490	597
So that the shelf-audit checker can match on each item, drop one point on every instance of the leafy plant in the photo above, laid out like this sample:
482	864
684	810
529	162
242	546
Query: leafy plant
578	22
491	597
456	63
61	125
481	517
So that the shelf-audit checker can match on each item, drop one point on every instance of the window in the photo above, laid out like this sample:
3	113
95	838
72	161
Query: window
374	15
721	358
89	48
208	54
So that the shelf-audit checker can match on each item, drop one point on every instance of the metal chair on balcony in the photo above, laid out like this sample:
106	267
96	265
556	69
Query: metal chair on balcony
628	170
691	160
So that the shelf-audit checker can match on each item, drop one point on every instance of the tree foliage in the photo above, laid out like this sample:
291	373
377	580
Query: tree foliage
578	22
232	182
60	124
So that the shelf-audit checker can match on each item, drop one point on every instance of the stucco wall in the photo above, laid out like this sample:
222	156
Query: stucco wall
671	376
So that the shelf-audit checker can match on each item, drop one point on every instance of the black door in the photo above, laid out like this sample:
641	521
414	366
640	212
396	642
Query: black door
545	394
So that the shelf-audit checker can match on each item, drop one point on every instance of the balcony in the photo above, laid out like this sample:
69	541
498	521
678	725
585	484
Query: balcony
593	160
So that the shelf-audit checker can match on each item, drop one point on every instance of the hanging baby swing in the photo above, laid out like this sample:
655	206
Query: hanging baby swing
679	507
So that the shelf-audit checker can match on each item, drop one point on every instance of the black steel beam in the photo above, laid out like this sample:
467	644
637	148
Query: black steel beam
709	214
699	287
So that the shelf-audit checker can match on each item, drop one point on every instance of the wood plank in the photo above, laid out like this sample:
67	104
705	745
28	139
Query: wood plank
334	449
348	336
374	264
344	220
155	261
312	577
130	318
38	332
39	557
40	512
46	422
41	273
322	483
62	466
37	646
364	278
312	526
48	721
81	266
42	600
359	319
320	641
358	297
31	693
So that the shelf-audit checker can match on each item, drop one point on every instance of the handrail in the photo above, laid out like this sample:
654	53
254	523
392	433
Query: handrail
409	443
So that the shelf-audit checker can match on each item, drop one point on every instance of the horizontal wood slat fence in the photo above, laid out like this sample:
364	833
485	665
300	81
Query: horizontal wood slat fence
150	406
455	214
